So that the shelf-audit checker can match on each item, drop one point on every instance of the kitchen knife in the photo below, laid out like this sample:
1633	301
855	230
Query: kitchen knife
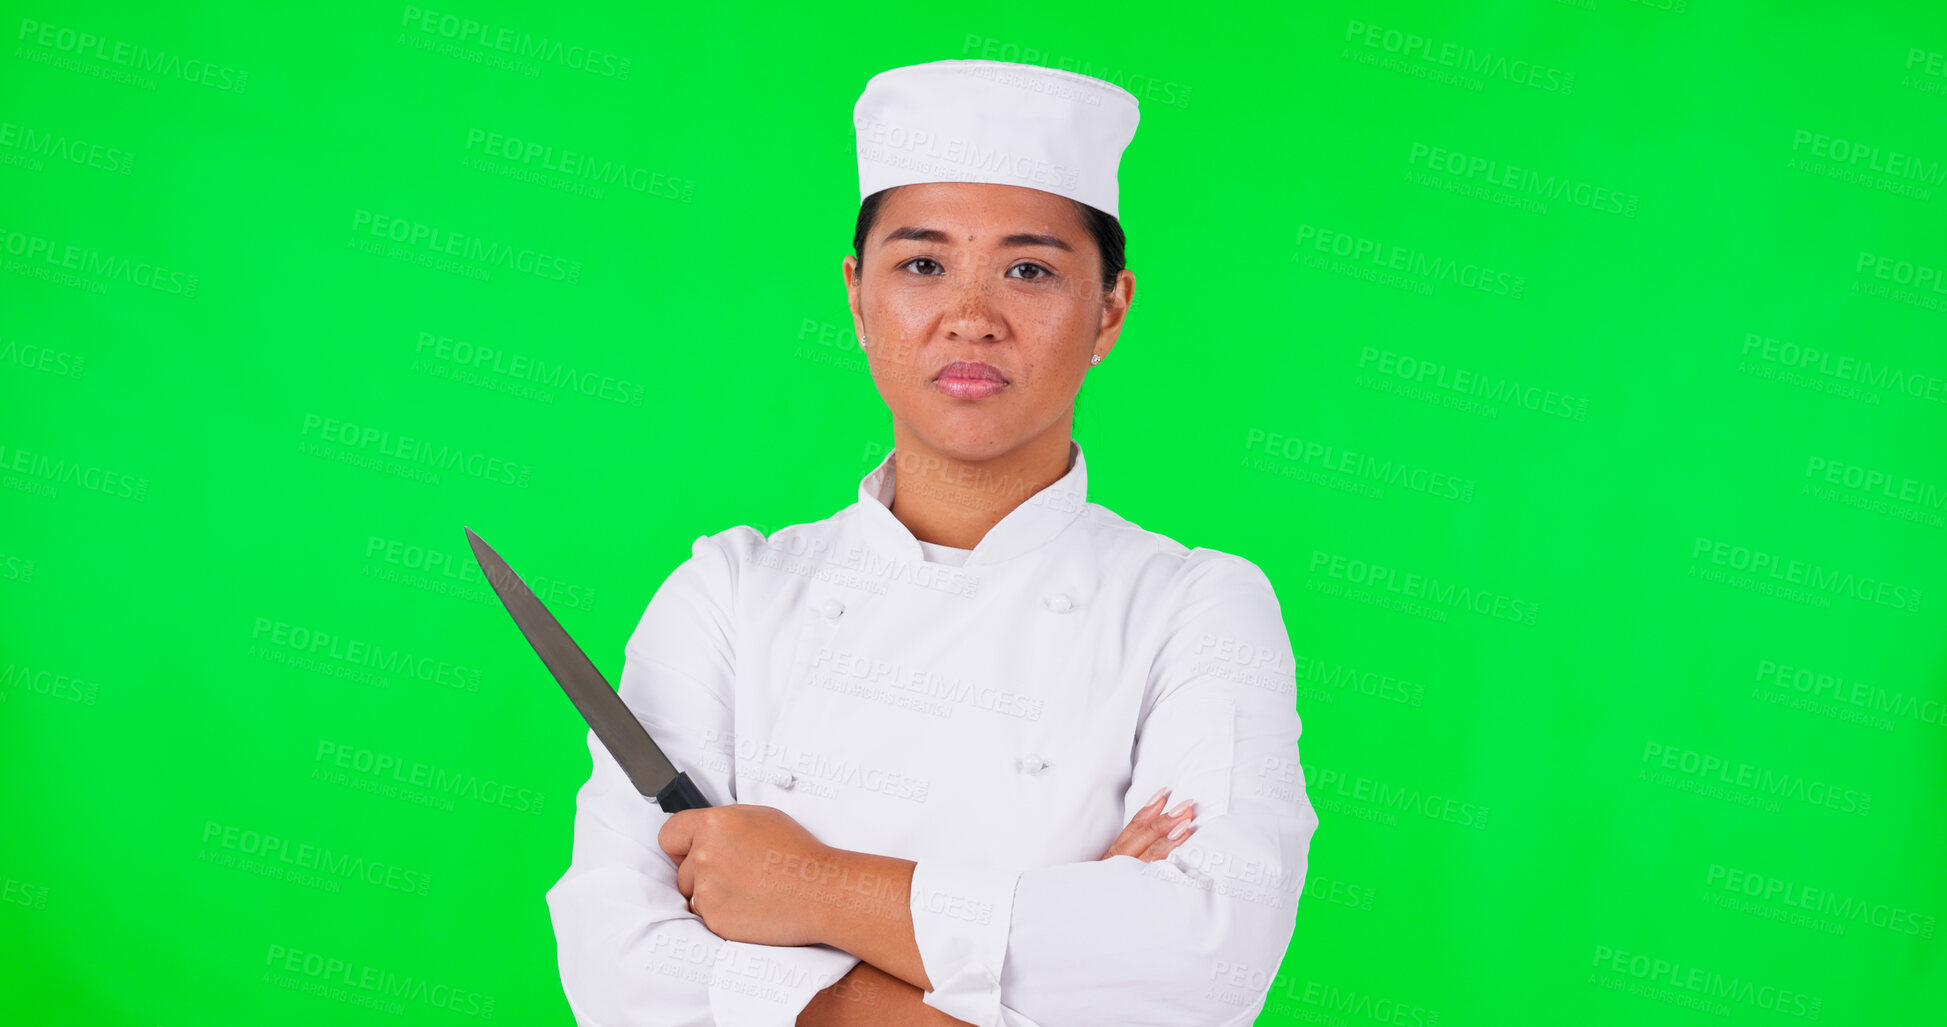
648	769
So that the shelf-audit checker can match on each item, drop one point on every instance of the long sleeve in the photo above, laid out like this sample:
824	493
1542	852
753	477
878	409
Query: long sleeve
631	953
1120	941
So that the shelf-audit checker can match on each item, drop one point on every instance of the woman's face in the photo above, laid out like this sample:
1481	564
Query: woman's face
999	275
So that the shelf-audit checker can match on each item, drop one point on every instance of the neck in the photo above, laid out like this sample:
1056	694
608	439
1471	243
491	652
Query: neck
950	501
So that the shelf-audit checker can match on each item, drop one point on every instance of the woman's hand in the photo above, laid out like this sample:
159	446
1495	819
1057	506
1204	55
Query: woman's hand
745	870
1148	836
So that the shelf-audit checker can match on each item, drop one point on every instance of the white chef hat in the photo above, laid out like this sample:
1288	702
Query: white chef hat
991	121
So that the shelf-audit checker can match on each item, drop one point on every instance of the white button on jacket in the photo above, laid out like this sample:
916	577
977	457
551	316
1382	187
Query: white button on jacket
998	723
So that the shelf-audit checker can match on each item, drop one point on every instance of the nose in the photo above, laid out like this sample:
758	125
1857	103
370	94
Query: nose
971	313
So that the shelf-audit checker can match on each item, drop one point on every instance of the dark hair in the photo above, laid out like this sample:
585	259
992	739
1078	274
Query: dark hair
1104	228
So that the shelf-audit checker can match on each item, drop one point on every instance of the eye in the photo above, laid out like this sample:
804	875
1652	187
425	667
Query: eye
921	260
1041	272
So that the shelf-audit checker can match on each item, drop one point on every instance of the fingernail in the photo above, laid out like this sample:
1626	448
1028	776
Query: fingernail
1179	830
1180	807
1154	799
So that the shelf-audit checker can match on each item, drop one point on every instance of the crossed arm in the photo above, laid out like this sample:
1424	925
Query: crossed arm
753	874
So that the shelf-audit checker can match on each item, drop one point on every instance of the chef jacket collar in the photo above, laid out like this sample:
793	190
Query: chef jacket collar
1036	520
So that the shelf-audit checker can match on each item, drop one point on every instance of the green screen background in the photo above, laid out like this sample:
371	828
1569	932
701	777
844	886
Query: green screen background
1658	357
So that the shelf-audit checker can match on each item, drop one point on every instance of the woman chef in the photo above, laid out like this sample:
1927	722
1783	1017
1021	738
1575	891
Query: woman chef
924	717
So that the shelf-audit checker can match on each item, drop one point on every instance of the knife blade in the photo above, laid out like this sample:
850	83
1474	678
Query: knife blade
639	755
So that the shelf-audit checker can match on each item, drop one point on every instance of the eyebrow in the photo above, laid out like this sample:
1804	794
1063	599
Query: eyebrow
1017	239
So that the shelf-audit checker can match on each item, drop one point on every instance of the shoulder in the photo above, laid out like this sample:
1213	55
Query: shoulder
1213	629
1188	573
734	545
745	543
731	555
714	565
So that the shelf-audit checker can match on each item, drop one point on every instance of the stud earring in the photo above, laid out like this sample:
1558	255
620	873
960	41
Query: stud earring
1094	360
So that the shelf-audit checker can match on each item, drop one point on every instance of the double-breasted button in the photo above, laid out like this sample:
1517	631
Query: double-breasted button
831	609
1060	603
1033	763
782	778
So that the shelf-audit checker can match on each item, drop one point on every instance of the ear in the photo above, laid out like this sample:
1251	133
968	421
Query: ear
854	283
1115	311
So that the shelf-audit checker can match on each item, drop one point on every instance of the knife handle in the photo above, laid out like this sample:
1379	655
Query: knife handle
680	794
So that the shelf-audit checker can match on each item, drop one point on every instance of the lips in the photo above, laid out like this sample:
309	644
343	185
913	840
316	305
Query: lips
972	370
969	379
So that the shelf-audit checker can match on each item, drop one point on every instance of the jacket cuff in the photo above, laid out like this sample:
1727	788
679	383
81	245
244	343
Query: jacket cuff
769	985
961	916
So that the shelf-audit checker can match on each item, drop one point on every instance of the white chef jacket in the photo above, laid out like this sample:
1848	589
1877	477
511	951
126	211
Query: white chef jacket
998	722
